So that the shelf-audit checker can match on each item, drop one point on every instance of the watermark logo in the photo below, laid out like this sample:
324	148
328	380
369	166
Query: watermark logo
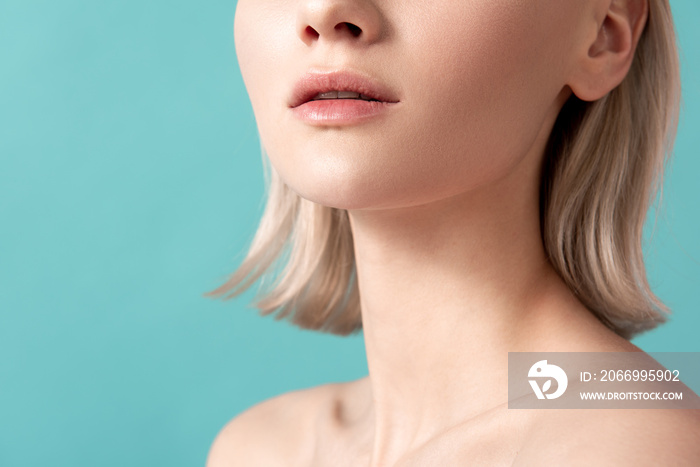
603	380
542	369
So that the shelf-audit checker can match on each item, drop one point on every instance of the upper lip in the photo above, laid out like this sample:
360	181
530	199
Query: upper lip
316	82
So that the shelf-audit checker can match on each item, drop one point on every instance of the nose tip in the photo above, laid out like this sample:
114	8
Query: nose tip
333	20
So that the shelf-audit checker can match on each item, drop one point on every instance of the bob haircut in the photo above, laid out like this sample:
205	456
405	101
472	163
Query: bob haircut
602	168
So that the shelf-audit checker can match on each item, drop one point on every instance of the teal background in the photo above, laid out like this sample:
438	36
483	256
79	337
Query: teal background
131	183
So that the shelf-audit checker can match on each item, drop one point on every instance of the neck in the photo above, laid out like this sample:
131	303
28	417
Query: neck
447	289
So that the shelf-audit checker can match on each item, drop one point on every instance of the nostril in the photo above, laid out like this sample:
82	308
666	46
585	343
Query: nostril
311	31
354	30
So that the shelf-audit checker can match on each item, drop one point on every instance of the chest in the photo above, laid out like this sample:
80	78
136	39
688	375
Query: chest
459	447
339	450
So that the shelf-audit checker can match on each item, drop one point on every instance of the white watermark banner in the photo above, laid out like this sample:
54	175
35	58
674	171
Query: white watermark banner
603	380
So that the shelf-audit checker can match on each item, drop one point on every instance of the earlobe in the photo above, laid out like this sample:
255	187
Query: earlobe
609	57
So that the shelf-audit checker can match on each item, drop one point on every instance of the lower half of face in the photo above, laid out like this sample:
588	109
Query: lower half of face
476	81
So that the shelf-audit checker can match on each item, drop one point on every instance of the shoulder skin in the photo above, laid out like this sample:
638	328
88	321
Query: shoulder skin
617	438
272	433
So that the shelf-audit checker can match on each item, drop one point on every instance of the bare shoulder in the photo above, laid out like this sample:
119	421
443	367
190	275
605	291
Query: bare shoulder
274	432
649	437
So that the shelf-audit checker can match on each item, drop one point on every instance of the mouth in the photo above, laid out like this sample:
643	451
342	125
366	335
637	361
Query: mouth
341	85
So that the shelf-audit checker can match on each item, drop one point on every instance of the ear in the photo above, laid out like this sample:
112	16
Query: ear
606	56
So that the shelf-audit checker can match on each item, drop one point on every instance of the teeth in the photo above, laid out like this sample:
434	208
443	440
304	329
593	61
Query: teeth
341	95
327	95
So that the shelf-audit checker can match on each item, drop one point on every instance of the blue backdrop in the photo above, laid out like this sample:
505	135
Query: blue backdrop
131	183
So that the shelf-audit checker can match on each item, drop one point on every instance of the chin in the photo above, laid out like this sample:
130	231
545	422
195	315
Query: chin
367	194
341	195
335	182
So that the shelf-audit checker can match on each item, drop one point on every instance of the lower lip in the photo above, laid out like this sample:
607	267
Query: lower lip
340	111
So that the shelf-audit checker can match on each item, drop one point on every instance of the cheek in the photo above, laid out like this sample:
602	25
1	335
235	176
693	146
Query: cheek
485	81
263	37
483	77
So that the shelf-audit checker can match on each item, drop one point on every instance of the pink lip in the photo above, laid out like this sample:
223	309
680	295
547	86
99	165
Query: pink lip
339	111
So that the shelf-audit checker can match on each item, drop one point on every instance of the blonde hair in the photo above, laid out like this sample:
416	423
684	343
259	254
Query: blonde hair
602	169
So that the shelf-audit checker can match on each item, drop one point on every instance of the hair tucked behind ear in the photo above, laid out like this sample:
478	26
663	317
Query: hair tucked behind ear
602	170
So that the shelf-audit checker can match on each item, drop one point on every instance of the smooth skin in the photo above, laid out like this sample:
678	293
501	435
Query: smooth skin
442	194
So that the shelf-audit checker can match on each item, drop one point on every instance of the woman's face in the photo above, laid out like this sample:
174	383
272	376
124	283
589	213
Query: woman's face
476	80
